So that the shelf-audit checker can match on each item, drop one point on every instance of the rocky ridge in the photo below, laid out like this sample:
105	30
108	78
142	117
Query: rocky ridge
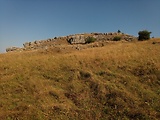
76	41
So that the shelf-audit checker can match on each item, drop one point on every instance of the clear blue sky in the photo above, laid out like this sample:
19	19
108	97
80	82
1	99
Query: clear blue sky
29	20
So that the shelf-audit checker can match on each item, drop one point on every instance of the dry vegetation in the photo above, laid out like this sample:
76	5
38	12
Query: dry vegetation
117	81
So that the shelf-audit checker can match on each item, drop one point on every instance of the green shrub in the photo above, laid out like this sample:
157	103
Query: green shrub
90	39
144	35
117	38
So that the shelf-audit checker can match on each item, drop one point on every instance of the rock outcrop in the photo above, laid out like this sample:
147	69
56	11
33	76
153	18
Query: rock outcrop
10	49
70	40
76	39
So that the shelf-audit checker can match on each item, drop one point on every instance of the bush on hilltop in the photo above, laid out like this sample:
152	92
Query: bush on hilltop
144	35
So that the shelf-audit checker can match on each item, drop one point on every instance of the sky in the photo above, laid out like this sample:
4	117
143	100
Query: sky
29	20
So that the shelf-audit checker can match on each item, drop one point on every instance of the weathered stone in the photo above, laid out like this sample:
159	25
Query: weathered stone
12	49
77	39
37	42
110	33
26	44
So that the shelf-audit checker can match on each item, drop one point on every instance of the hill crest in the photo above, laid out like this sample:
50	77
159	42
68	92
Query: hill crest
75	39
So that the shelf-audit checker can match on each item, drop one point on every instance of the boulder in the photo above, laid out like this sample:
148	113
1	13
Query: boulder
26	44
36	42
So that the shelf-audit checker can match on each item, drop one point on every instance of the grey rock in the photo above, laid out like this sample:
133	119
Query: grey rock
76	39
10	49
26	44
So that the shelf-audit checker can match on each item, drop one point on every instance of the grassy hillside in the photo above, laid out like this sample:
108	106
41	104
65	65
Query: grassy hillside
117	81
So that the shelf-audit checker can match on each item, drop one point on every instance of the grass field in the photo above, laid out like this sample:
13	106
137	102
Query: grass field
114	82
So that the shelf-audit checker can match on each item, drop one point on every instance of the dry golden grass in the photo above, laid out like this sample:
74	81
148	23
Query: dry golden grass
117	81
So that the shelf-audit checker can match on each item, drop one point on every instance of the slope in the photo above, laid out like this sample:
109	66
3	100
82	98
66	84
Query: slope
117	81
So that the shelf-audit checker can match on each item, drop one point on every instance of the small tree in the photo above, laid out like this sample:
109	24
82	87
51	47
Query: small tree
144	35
118	31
